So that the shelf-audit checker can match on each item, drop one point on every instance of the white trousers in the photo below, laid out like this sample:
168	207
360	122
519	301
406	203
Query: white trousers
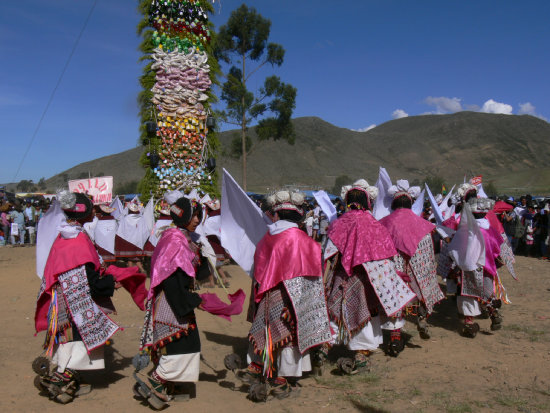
468	306
368	338
290	363
180	367
73	355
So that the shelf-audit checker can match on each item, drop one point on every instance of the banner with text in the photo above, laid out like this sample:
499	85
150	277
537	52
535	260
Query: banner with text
99	188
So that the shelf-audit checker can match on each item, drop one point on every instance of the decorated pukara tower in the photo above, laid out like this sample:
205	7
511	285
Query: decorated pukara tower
178	146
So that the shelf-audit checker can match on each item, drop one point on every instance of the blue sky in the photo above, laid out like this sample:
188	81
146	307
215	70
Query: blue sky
356	64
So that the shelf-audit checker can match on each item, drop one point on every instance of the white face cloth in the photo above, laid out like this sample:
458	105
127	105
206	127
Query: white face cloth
136	228
467	249
104	234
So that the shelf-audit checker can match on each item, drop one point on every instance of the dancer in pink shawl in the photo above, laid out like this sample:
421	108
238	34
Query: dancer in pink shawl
362	283
415	262
170	333
477	250
288	311
68	307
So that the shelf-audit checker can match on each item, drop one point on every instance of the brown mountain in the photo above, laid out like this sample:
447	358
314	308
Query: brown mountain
511	151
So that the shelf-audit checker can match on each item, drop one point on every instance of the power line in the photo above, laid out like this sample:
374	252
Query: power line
55	89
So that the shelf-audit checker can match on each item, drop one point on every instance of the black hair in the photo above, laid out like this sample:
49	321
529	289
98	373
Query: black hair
356	199
479	215
402	201
80	215
289	215
197	211
472	193
181	212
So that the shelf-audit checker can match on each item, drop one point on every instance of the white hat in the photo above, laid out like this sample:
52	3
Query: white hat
481	205
290	200
361	185
463	189
402	188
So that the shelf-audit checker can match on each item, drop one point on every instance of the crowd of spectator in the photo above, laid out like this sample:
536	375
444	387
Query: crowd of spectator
19	219
526	225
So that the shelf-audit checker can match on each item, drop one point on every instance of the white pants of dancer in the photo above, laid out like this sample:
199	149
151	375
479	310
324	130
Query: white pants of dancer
468	306
392	323
73	355
368	338
179	367
290	363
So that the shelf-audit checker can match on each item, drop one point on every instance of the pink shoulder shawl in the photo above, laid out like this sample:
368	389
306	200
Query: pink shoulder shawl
172	252
360	238
406	229
284	256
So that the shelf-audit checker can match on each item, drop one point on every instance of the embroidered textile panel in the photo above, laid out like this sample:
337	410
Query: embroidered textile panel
347	300
477	284
270	311
392	291
94	326
423	269
444	262
310	308
507	256
166	324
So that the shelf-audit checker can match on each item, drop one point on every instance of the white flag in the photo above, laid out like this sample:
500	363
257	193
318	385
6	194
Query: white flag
243	224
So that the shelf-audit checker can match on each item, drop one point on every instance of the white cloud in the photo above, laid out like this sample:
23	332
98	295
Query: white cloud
496	107
526	109
444	104
366	128
399	113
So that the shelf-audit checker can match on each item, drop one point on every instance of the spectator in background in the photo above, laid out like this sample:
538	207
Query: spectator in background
323	225
316	221
30	221
513	227
309	223
4	221
528	218
340	207
541	232
546	219
17	225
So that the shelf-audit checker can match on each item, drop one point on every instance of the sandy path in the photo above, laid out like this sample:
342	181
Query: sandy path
508	370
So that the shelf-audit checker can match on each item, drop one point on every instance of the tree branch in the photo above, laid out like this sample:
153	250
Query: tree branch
255	70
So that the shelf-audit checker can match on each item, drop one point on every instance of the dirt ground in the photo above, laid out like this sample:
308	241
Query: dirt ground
505	371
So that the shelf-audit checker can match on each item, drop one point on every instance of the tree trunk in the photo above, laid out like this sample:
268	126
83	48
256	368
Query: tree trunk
243	128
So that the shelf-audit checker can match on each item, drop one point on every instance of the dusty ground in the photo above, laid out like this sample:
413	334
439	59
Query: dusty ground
504	371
